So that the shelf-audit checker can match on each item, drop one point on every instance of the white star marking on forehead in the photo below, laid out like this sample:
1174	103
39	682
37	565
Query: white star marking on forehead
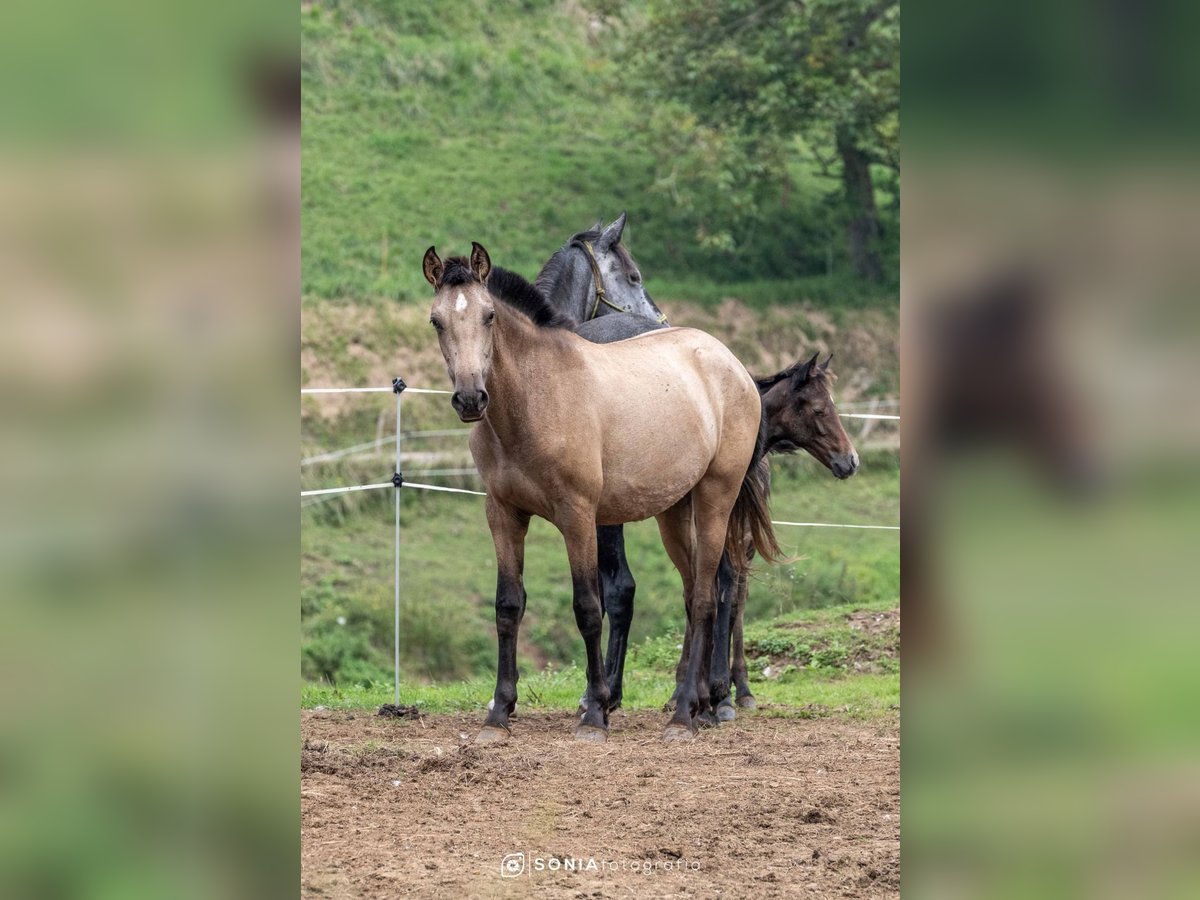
460	304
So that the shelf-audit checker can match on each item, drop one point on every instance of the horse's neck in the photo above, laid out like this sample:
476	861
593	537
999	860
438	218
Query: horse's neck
519	347
772	402
569	292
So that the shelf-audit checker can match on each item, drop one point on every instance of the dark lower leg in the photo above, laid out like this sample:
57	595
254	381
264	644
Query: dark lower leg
738	668
718	679
617	586
589	618
693	692
681	666
510	608
508	535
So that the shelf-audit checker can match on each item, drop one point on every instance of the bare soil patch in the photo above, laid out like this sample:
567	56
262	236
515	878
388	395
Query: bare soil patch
764	807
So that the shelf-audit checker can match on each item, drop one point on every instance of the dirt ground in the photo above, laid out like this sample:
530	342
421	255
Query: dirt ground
763	807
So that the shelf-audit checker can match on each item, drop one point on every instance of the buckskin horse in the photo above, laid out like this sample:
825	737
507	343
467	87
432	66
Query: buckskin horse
554	439
594	279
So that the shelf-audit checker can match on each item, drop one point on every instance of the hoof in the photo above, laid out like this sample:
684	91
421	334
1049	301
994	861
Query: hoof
591	734
707	719
726	712
491	734
669	706
676	733
747	702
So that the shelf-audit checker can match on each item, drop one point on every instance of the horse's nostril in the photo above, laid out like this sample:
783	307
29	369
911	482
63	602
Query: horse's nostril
483	399
456	400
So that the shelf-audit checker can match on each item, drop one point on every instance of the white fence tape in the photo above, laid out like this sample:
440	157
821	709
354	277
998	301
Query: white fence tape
370	390
830	525
454	490
412	390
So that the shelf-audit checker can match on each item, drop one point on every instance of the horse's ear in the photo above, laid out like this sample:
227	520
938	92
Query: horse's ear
432	266
611	235
599	224
824	367
803	371
481	263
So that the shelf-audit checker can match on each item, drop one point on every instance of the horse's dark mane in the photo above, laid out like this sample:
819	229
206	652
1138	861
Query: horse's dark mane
522	296
457	271
765	384
510	288
552	271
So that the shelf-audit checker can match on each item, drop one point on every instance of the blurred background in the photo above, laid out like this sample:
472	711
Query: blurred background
1050	357
149	196
763	207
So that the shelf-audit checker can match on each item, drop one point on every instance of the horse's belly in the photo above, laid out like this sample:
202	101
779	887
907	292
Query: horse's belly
632	493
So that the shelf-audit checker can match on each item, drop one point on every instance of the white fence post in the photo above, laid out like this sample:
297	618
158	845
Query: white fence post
398	386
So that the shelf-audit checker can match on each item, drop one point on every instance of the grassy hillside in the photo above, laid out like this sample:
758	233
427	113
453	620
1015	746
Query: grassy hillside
458	121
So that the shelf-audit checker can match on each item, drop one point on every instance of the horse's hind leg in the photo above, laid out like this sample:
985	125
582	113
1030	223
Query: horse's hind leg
680	667
617	586
712	502
745	699
508	534
675	527
718	678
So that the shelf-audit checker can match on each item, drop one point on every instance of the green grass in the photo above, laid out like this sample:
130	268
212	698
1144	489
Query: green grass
830	292
795	691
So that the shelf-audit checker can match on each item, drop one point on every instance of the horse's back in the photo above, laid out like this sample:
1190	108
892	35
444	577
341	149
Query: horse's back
675	405
612	328
676	355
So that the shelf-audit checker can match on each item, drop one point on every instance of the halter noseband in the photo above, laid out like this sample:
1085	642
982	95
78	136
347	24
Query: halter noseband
599	282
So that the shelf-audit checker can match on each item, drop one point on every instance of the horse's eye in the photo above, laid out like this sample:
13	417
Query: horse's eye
436	324
635	277
489	317
818	411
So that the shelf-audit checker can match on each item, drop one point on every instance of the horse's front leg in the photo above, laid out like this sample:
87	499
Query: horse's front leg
508	534
578	527
617	586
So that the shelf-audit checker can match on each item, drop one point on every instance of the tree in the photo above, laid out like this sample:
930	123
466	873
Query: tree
824	71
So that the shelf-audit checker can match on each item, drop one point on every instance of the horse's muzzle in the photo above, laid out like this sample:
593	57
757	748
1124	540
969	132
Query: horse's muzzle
469	404
843	465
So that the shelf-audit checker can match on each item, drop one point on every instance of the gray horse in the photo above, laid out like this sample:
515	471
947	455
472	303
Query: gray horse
593	279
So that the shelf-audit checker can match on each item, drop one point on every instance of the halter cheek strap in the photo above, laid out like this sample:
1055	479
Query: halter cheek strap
598	280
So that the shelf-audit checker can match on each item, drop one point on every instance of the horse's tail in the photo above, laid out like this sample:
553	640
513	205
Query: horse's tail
750	522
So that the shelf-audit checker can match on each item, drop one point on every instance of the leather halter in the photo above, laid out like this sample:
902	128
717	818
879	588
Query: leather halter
598	280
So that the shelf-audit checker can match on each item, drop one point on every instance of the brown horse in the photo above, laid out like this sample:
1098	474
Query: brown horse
798	414
664	425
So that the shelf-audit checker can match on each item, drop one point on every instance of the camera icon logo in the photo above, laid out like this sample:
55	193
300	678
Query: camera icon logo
513	865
